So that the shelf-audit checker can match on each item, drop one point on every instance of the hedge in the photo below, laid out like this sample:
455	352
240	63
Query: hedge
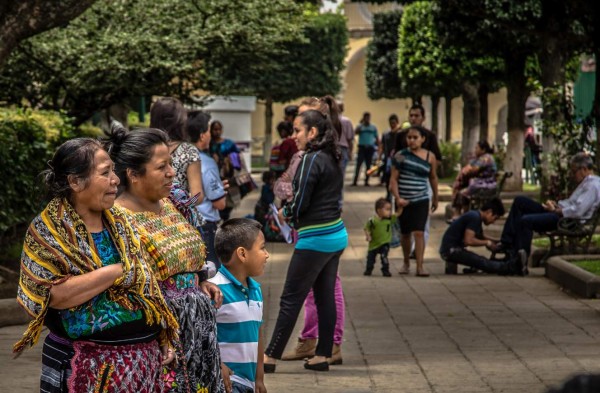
27	141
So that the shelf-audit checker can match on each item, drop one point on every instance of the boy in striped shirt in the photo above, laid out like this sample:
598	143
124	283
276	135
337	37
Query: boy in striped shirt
240	245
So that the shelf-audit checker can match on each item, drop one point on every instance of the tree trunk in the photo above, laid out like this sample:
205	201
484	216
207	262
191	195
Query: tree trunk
471	112
517	94
435	103
268	129
25	18
484	123
552	65
448	105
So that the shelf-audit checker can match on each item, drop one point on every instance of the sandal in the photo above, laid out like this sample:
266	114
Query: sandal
422	274
405	270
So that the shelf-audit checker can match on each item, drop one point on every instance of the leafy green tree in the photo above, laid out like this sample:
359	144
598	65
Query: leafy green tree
308	65
381	71
485	28
21	19
124	48
427	66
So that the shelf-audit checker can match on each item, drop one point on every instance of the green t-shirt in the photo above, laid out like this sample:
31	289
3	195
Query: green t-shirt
380	230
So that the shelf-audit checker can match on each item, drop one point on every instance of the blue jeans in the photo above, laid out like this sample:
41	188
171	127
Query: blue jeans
209	229
237	387
525	217
372	255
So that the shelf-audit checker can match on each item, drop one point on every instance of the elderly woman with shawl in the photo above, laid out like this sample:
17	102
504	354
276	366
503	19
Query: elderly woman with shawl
84	277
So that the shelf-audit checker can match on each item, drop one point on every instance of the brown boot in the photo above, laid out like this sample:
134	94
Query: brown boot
304	349
336	355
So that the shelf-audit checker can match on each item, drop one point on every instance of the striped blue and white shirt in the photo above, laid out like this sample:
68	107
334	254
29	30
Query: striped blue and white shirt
238	325
413	179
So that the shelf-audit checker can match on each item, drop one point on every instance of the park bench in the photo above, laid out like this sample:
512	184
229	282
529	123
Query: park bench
480	197
572	236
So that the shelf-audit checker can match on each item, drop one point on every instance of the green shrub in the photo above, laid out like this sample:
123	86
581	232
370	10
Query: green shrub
450	159
27	141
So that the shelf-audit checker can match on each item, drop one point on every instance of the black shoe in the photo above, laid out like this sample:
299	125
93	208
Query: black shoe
269	368
451	268
522	256
367	272
323	366
470	270
386	273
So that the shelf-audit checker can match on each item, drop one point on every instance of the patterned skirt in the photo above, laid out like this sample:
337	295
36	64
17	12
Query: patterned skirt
56	364
116	368
198	369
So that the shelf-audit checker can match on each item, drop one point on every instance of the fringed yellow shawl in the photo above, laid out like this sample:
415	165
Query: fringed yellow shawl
57	246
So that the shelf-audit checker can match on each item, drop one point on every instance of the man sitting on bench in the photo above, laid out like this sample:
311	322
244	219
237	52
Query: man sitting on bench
527	216
467	231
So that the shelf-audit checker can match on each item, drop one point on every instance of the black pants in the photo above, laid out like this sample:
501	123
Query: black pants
468	258
365	154
372	255
209	229
526	216
308	269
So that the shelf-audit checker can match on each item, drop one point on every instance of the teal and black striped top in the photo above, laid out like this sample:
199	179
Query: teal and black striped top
327	237
413	175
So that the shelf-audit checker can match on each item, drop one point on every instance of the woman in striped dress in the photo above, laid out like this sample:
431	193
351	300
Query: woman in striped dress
412	168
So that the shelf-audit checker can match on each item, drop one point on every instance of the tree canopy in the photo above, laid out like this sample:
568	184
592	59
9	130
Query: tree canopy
382	57
123	48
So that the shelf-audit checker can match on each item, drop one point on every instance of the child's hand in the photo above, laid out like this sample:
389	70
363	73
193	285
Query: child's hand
168	355
226	372
368	236
260	387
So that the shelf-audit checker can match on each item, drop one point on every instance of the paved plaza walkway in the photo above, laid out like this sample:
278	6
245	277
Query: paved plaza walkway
440	334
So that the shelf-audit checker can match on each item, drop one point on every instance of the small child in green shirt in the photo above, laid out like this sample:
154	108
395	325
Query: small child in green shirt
378	231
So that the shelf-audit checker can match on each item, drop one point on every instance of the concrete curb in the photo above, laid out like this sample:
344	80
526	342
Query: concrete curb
573	278
11	313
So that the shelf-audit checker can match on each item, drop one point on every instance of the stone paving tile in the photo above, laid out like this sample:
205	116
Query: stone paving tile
443	334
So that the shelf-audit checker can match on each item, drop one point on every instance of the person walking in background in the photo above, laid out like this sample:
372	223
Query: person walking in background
241	246
227	156
367	141
378	231
346	140
169	115
416	117
322	238
414	169
386	147
213	189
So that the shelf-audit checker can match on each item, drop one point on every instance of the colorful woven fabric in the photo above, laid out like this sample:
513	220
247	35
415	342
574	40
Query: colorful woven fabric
111	369
57	246
172	243
177	250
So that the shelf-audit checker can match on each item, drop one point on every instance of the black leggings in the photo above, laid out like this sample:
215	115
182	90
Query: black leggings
308	269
